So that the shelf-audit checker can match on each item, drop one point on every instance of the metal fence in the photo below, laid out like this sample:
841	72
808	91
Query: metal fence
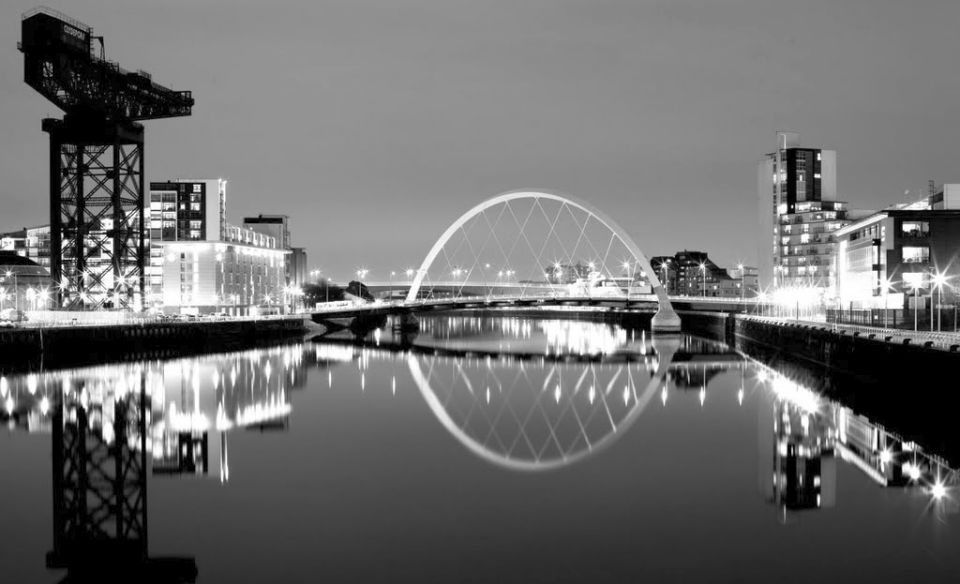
944	319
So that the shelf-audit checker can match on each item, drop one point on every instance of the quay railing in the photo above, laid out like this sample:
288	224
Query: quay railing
949	341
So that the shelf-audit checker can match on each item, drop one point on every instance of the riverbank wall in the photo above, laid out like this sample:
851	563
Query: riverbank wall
26	348
910	386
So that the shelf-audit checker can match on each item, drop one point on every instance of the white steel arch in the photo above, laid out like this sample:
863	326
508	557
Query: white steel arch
666	318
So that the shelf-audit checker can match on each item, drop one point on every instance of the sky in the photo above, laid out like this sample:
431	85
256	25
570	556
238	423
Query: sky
375	123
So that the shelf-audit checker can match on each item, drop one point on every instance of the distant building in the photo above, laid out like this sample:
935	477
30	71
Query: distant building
24	284
29	242
799	212
297	267
199	263
692	273
891	258
15	242
749	278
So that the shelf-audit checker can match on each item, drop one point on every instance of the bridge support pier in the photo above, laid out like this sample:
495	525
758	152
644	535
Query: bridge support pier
666	320
408	321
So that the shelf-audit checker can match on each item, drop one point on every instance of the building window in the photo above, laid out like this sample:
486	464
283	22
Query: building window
915	228
916	254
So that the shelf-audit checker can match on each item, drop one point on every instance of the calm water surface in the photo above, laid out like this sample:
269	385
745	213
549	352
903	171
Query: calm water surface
481	450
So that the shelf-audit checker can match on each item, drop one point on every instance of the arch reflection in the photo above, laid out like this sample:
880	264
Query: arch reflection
539	416
539	394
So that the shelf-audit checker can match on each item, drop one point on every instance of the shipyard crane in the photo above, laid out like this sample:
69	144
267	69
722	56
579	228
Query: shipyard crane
98	238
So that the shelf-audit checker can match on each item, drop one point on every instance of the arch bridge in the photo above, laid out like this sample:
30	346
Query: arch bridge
530	247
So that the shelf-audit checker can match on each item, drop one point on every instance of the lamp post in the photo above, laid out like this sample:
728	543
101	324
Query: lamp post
916	296
409	273
939	279
887	286
742	290
663	270
361	274
703	274
392	274
628	268
16	290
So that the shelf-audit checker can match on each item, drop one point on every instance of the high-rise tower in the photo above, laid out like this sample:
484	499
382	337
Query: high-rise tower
799	211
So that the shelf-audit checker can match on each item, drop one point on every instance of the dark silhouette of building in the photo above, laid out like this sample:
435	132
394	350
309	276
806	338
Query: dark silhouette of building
692	273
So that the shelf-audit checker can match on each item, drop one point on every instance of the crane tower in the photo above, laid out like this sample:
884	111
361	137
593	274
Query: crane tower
98	237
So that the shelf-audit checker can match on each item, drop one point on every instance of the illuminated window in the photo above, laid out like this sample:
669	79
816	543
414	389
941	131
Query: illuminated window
915	254
915	228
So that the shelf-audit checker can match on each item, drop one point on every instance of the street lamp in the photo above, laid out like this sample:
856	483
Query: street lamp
664	266
887	287
16	290
915	284
392	274
939	279
742	282
703	273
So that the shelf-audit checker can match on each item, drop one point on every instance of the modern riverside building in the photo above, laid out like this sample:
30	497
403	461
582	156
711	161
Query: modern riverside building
199	263
278	226
182	210
903	256
799	211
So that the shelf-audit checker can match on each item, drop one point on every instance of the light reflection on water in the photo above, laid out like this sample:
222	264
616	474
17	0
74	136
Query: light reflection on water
523	395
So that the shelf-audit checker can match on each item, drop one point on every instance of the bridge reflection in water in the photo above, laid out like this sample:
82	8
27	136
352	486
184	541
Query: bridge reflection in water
528	407
525	395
